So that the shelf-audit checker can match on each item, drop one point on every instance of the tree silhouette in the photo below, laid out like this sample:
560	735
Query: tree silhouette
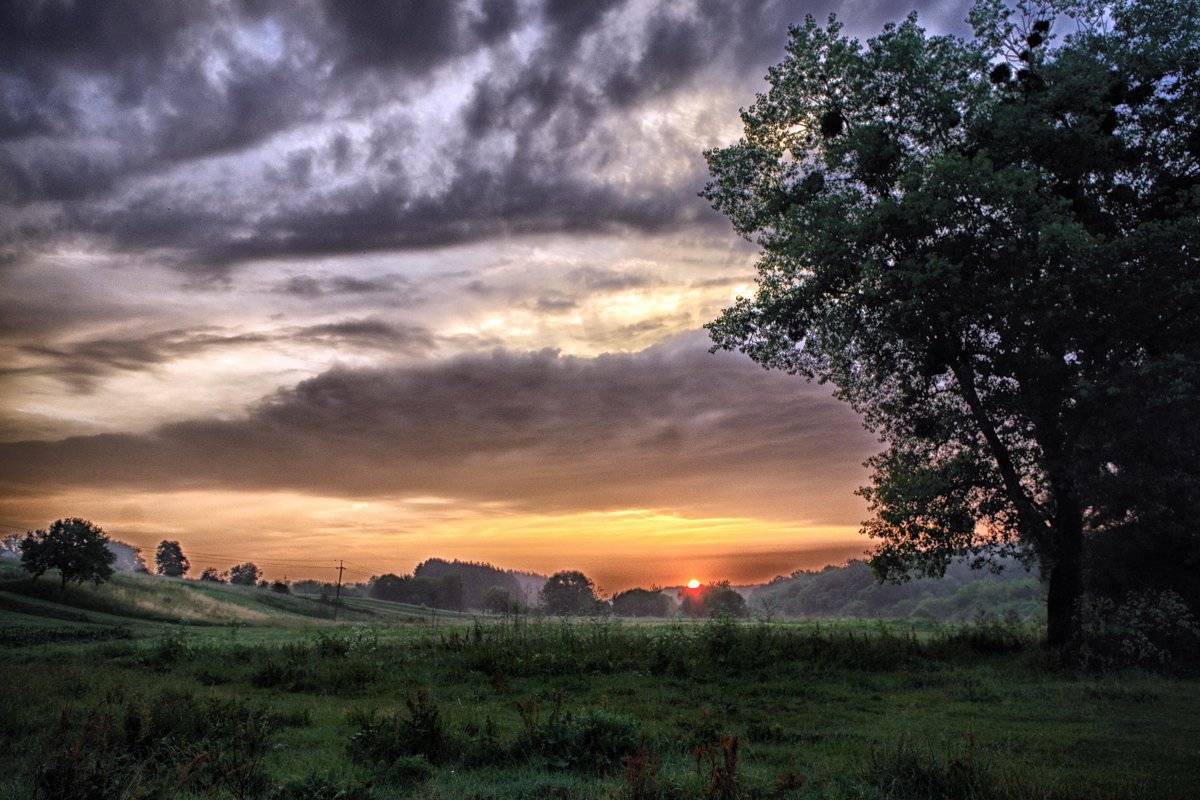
76	547
244	574
569	593
170	560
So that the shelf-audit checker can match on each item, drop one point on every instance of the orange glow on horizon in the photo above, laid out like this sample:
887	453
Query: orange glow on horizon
305	536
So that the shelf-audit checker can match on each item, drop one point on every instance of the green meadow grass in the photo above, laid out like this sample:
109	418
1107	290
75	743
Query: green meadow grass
127	704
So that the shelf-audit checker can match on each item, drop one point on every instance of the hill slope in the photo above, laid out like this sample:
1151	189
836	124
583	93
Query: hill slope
133	597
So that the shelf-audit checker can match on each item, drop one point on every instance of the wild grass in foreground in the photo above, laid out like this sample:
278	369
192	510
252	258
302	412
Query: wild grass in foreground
583	710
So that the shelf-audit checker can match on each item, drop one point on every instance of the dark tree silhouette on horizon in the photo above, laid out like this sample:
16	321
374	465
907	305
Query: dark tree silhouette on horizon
244	574
169	559
77	548
569	593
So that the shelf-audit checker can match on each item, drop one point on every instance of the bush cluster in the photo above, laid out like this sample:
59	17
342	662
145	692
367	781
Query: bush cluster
156	747
1153	630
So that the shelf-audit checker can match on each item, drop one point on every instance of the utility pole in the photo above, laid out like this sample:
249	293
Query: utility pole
337	599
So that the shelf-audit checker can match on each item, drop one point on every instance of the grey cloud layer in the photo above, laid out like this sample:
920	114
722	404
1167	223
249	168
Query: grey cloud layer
83	364
671	427
104	103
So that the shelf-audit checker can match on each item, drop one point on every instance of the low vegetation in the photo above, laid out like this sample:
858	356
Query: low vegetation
838	592
118	702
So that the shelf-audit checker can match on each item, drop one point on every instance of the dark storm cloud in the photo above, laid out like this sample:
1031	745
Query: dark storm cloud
83	364
308	286
669	427
102	103
368	333
412	35
519	197
125	87
124	40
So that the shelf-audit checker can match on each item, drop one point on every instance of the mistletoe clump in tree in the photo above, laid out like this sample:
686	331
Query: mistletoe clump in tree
991	247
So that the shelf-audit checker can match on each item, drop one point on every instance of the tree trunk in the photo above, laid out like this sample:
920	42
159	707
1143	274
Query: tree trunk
1066	575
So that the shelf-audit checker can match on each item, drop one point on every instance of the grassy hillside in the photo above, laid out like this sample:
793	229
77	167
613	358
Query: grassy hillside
141	598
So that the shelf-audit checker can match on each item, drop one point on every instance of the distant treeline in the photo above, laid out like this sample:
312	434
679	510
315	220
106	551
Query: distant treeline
848	591
852	591
457	585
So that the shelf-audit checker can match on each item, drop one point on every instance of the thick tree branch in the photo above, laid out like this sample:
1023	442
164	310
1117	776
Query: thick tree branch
1031	520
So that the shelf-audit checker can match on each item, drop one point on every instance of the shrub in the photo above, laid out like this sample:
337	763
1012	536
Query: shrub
906	773
1147	629
340	644
989	633
380	739
593	741
158	747
407	771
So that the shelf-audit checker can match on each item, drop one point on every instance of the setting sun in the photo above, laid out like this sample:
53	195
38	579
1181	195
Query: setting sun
693	584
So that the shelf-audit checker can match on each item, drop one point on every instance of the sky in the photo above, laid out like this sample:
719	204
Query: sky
307	282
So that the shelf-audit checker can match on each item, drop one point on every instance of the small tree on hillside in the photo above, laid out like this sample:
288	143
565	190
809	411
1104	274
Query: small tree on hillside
244	574
170	560
569	593
211	575
75	547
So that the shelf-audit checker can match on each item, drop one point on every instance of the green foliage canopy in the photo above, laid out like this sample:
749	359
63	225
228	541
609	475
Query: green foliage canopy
568	593
76	547
499	600
212	575
444	591
714	600
990	248
169	559
244	574
475	579
642	603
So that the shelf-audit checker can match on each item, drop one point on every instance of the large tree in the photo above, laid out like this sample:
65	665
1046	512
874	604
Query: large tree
77	548
170	560
990	248
568	593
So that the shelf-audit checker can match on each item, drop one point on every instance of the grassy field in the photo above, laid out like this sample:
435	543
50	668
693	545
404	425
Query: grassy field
150	687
